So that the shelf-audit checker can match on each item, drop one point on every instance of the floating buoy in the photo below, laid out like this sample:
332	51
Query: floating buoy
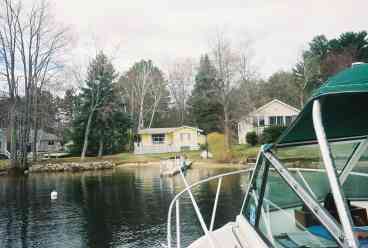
54	195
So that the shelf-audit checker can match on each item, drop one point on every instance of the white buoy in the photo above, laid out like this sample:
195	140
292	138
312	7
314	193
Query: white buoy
54	195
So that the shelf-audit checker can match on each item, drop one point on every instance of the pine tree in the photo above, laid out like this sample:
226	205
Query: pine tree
99	121
205	110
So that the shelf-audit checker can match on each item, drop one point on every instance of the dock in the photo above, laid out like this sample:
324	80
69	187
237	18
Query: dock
172	166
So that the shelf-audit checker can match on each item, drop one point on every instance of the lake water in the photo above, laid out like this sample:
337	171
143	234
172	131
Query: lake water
125	207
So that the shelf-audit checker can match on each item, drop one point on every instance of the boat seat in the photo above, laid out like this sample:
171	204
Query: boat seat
304	239
321	231
305	217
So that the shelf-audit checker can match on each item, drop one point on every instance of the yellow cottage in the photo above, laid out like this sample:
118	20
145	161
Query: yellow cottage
172	139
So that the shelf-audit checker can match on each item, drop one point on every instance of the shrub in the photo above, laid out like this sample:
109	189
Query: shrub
251	138
270	134
216	145
203	147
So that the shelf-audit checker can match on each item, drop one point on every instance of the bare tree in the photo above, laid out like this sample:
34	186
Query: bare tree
232	67
306	72
181	81
9	33
157	93
143	88
40	43
35	45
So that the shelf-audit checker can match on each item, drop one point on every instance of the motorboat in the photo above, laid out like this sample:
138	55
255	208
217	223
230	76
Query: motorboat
309	188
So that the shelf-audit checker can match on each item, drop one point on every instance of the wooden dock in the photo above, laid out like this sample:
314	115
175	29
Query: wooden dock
172	166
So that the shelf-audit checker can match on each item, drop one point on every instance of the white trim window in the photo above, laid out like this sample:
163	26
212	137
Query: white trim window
261	121
280	120
158	138
276	120
272	120
288	120
185	137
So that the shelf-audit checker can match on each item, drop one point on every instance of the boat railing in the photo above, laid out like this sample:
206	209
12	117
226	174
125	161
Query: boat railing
207	229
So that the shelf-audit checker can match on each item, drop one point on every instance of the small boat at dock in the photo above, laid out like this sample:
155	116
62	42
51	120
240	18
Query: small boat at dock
173	165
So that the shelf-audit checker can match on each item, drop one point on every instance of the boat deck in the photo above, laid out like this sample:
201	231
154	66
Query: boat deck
223	237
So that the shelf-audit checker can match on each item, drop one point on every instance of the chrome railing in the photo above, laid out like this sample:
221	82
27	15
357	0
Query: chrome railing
176	202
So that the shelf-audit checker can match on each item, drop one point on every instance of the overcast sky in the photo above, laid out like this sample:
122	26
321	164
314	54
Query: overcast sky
163	30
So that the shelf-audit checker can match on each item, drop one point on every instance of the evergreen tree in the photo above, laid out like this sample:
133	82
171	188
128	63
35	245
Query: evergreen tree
281	85
99	122
205	110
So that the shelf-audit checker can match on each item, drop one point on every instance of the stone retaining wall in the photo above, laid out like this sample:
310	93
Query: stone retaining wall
71	167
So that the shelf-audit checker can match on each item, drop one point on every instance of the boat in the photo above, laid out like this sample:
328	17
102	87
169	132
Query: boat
317	199
174	165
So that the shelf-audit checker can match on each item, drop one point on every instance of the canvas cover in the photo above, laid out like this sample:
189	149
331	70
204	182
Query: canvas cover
344	100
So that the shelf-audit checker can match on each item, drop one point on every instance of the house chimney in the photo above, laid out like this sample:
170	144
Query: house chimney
357	64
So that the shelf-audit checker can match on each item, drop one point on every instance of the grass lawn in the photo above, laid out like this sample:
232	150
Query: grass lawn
244	151
4	164
125	157
293	153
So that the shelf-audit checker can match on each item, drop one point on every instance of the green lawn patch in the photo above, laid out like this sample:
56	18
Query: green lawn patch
244	151
4	164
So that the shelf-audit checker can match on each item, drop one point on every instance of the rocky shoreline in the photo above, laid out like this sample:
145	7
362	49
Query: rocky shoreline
70	167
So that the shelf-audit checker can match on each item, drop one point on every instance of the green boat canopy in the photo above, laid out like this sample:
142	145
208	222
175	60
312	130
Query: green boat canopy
344	100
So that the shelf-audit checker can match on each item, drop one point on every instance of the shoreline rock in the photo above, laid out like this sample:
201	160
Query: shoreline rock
71	167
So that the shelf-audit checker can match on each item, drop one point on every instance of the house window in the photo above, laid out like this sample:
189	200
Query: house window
51	142
185	137
158	138
276	120
261	121
280	120
272	120
288	120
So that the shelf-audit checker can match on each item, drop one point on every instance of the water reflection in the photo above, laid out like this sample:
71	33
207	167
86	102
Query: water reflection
117	208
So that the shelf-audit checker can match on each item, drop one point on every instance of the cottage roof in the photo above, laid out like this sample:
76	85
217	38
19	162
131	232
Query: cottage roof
265	106
272	102
164	130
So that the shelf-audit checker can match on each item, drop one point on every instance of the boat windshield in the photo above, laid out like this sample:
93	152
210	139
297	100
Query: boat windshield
282	218
279	215
356	182
306	165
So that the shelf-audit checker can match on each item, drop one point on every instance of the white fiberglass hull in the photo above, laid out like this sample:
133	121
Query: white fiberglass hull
239	234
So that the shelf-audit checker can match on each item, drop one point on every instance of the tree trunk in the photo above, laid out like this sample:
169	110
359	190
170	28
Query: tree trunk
86	134
34	142
26	129
13	135
100	149
153	113
226	128
301	98
140	118
35	130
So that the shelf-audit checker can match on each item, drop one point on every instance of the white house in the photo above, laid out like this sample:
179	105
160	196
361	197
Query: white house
274	113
